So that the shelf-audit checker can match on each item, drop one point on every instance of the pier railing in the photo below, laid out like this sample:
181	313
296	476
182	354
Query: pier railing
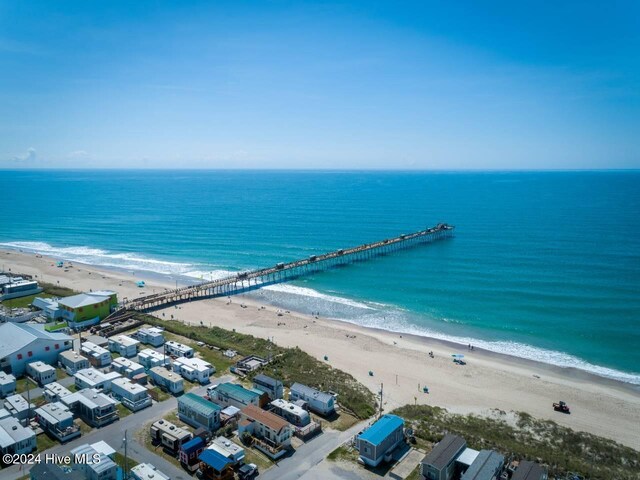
282	272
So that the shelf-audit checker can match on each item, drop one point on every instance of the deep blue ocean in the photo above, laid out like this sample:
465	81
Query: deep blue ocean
543	265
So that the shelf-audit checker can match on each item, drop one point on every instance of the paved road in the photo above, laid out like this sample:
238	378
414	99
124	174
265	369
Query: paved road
310	454
113	434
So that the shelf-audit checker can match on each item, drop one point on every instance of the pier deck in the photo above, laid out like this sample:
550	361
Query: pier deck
283	272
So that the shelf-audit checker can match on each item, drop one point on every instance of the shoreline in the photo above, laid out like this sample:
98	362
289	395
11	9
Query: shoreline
490	380
509	349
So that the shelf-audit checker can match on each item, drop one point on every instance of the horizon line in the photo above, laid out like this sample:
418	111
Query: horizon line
324	170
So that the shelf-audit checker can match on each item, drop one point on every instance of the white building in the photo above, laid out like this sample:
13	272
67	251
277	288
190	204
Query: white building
54	392
146	471
14	438
273	432
133	396
126	367
178	349
95	465
124	345
320	402
149	358
18	407
93	406
170	436
228	449
151	336
41	372
7	384
17	287
97	355
169	381
193	369
28	342
292	413
72	361
92	378
56	419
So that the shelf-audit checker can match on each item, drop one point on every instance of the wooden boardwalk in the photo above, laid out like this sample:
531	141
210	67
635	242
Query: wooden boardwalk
284	272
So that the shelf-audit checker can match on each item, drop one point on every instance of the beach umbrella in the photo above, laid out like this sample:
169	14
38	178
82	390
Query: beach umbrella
457	355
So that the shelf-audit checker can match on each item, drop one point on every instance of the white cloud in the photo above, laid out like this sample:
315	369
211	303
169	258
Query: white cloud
28	157
78	154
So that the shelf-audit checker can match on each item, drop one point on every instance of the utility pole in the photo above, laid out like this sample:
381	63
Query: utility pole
126	471
381	391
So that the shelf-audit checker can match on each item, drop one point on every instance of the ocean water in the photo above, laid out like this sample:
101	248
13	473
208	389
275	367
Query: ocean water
543	265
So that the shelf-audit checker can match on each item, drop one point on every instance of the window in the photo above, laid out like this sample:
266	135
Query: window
46	349
57	346
19	356
30	354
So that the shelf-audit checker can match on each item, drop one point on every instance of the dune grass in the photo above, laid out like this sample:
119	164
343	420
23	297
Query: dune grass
560	448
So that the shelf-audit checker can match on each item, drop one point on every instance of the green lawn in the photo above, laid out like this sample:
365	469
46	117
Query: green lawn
415	474
23	302
119	459
123	411
158	394
84	428
342	453
43	442
251	455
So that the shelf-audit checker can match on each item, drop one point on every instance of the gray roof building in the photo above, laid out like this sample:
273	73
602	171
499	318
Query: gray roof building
528	470
439	464
487	466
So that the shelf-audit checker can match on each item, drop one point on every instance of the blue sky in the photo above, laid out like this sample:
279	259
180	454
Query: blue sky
277	84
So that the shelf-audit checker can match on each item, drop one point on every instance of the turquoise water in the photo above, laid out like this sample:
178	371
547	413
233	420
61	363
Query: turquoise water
543	265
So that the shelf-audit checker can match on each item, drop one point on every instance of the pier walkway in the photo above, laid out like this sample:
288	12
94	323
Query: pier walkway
283	272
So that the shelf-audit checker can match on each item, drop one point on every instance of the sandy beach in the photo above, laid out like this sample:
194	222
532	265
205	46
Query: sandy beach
400	362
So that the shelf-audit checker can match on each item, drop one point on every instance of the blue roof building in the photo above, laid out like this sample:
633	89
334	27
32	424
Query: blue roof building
214	465
376	443
189	453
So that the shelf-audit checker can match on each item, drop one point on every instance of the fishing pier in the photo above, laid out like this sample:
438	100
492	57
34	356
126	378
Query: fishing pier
283	272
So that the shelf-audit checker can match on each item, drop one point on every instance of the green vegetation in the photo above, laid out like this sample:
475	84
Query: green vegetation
23	302
415	474
119	459
343	453
51	290
251	455
84	427
288	364
122	410
158	394
563	450
53	327
44	442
